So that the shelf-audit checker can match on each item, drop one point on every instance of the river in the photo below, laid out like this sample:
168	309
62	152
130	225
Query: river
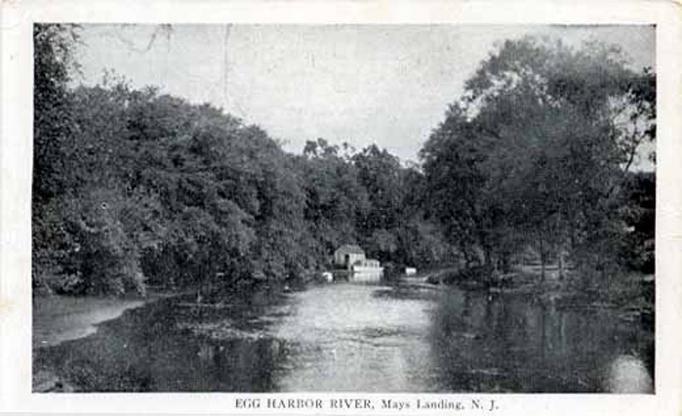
382	337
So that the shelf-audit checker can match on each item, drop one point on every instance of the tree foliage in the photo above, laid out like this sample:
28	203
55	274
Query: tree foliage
537	152
133	187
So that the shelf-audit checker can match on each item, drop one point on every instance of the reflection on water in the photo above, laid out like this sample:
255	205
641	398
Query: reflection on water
344	338
361	337
627	374
513	344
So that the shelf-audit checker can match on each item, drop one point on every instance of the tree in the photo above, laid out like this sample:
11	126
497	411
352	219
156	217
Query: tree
537	150
335	201
52	125
52	115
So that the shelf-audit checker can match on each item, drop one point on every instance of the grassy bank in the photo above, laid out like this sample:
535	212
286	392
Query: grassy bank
61	318
630	291
57	319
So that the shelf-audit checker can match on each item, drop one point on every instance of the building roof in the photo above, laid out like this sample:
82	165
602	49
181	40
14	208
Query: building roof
351	248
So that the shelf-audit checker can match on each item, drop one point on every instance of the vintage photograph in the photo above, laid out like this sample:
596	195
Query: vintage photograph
404	208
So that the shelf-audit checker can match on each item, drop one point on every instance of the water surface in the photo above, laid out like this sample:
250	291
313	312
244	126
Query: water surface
398	337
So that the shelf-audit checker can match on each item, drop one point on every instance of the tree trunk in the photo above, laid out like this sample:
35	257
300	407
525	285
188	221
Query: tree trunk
488	260
561	263
506	262
542	261
466	253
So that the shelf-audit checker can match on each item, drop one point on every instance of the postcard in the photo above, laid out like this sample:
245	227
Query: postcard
327	208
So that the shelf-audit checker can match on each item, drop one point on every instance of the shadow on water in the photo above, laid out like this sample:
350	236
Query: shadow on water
509	343
156	348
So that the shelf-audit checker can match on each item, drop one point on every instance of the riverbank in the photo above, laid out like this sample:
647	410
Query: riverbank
62	318
57	319
630	293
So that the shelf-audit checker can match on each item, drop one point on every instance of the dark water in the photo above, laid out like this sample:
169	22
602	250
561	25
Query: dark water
361	337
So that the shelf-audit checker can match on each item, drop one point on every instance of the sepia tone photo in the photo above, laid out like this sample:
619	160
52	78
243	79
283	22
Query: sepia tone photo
343	208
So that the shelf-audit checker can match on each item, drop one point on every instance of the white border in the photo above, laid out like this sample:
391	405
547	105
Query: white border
16	156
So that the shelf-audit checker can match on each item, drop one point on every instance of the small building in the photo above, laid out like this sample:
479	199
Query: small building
370	263
348	255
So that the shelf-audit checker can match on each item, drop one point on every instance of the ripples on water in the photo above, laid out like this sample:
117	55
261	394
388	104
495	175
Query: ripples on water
361	337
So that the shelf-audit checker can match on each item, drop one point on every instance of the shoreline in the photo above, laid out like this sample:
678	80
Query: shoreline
60	318
57	318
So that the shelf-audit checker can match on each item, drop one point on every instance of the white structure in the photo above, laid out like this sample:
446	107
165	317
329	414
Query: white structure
347	255
358	267
367	266
410	271
372	276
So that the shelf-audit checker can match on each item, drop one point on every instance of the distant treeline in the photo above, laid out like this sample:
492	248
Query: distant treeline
134	188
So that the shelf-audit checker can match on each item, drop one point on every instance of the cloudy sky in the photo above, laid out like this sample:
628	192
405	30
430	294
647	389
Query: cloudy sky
388	85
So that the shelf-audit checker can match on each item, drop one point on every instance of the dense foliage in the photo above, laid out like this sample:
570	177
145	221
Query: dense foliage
135	188
537	154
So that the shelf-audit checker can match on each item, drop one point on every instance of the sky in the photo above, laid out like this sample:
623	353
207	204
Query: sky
362	84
